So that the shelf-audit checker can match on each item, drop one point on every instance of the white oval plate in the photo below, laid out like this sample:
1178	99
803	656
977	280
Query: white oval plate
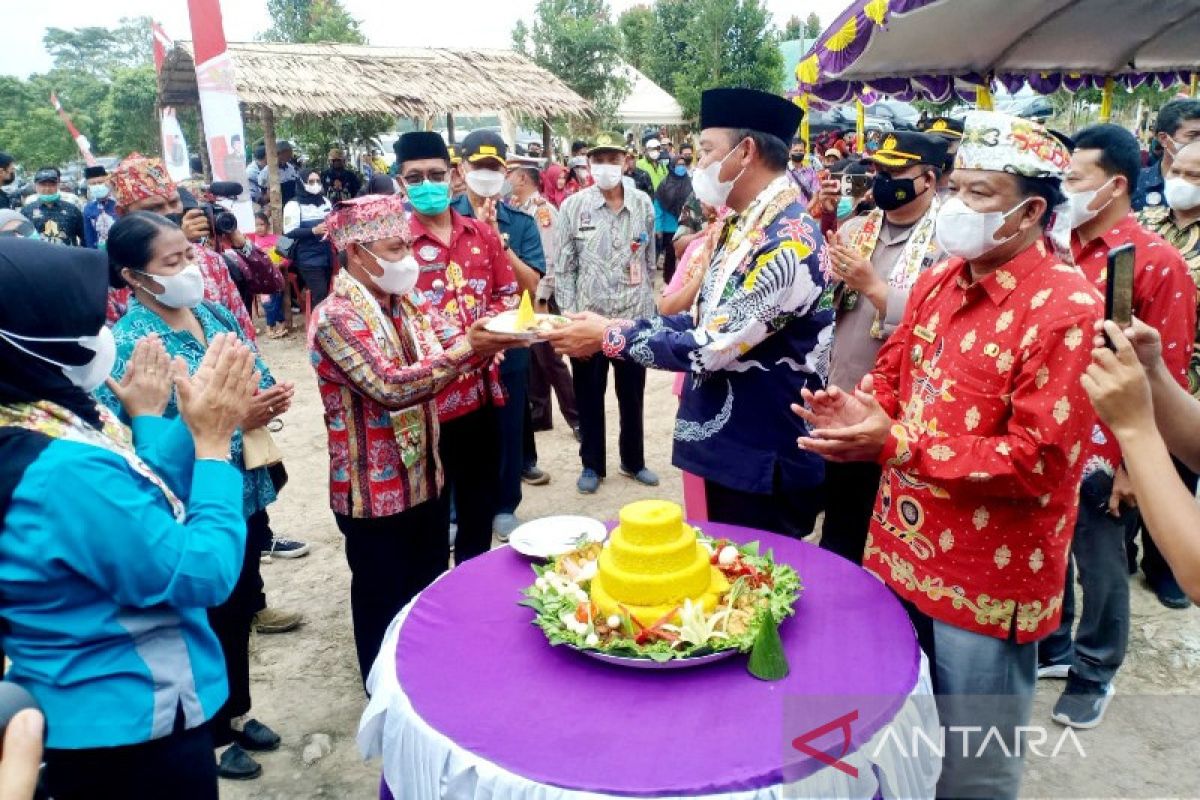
552	536
506	323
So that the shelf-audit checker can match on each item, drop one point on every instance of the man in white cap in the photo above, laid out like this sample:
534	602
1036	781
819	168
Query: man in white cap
654	163
976	412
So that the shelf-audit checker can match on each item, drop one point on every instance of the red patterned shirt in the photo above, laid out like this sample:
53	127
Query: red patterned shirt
1163	298
466	281
980	486
378	387
219	288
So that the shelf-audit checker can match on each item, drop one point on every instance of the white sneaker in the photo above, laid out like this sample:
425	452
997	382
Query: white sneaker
1053	671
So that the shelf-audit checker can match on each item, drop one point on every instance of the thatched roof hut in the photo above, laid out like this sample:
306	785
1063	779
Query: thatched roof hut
336	79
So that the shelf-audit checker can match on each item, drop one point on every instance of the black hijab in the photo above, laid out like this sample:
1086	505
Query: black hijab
49	291
303	196
673	192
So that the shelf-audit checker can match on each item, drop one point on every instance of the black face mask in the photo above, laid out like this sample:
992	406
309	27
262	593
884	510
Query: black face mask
892	193
797	158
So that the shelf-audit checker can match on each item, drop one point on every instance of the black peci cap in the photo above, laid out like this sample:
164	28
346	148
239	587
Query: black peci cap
98	171
752	110
415	145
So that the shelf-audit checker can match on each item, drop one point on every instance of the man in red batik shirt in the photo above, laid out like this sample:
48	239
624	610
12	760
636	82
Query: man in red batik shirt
1099	183
976	413
466	275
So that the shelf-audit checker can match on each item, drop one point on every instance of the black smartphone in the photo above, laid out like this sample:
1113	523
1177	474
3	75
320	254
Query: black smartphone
1118	294
13	699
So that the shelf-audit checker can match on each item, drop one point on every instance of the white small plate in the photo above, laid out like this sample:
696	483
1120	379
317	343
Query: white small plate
506	323
552	536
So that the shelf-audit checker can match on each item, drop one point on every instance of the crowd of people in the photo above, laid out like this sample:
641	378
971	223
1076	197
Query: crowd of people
909	341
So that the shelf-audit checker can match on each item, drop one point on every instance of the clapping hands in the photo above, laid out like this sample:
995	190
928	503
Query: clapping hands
843	426
145	388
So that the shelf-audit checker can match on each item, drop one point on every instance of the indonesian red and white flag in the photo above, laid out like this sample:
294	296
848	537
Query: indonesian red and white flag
85	147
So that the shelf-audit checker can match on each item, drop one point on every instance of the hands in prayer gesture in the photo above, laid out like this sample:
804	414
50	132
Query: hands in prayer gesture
145	388
213	401
843	426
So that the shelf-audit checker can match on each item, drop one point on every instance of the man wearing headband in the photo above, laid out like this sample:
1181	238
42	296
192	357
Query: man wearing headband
382	352
977	415
760	329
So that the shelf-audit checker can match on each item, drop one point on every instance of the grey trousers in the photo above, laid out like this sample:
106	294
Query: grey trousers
1098	553
984	688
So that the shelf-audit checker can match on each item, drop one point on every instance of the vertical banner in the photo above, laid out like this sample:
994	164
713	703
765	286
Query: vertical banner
219	103
174	146
85	147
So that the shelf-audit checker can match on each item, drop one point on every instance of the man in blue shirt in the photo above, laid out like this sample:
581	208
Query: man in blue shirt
101	210
1178	124
483	167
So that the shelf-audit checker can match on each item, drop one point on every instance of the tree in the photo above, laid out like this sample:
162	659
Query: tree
96	51
638	38
812	26
128	115
794	29
310	21
729	43
669	48
577	41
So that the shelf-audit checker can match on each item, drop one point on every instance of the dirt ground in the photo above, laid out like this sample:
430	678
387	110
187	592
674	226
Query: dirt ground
307	682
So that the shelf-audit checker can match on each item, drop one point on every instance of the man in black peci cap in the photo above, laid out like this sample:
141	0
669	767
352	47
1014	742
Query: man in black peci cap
762	326
101	210
876	258
57	220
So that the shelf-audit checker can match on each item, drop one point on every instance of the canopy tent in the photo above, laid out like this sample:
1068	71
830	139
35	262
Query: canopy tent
647	103
327	80
937	49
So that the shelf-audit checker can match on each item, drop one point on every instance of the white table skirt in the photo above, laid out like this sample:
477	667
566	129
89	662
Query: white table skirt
419	763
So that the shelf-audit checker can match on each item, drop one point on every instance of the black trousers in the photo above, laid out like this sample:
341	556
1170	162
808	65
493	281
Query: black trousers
470	450
790	512
179	766
550	373
666	246
231	623
591	384
850	491
391	559
316	279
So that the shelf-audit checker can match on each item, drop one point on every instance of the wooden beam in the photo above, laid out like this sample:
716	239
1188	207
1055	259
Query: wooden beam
450	128
202	146
547	142
268	123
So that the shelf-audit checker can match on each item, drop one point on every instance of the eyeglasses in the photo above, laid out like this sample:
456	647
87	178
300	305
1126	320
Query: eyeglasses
433	175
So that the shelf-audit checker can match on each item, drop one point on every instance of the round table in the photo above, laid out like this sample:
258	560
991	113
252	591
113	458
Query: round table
469	700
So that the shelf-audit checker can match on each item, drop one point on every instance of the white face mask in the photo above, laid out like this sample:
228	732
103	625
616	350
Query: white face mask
652	154
485	182
87	377
1181	194
964	232
184	289
707	183
399	277
1079	201
314	187
607	176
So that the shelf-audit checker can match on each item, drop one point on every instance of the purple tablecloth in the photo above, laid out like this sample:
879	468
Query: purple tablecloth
478	672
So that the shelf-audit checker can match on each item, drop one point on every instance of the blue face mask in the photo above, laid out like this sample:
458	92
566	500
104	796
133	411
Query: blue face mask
48	198
845	207
98	191
681	171
430	198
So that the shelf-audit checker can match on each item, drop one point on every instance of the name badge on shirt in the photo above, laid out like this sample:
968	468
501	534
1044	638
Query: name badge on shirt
432	268
924	334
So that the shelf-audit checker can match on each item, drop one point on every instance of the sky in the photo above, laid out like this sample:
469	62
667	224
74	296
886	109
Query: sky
472	23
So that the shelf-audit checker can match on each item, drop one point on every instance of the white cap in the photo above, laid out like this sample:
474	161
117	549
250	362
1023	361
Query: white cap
653	144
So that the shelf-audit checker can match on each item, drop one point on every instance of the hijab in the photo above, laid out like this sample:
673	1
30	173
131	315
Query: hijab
550	189
303	196
49	291
673	192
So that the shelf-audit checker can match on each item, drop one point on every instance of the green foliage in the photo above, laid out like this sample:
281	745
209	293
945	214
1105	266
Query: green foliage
577	41
310	21
812	26
729	43
670	48
794	29
128	114
638	36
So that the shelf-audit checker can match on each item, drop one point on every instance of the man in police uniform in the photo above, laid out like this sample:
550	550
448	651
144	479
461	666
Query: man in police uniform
877	257
483	166
951	131
57	220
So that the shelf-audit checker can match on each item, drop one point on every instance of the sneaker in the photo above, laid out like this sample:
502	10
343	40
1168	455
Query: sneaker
1053	671
272	620
588	482
1083	703
642	476
503	526
257	737
535	476
1168	592
286	548
236	764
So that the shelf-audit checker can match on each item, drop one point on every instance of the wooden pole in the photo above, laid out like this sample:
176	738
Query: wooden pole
276	195
203	146
547	142
450	128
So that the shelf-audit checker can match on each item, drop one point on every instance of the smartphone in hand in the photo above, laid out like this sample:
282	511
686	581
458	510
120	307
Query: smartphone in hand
1118	294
